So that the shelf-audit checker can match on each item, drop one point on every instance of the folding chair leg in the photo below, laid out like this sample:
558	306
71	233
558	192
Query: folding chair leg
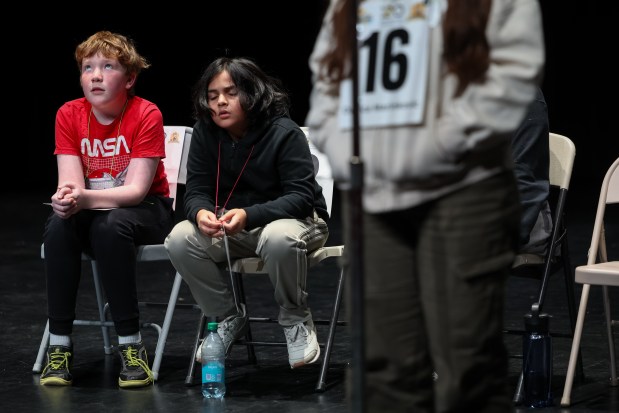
107	346
569	376
321	384
163	335
519	394
251	351
611	340
568	276
38	364
192	362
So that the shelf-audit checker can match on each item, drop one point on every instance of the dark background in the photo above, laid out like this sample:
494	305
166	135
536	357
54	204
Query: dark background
180	39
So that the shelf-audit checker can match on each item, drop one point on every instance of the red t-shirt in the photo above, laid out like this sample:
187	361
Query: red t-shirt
106	150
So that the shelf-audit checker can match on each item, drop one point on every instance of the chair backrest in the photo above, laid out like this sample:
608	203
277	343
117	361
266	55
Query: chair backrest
323	172
609	194
562	153
177	141
612	190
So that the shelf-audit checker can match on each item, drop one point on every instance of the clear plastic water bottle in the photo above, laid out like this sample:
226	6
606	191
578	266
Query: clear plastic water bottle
537	361
213	364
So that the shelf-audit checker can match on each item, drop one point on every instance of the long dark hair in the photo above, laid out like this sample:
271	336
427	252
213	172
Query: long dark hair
261	96
466	51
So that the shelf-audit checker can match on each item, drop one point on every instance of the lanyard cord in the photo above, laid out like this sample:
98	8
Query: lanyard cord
236	182
116	146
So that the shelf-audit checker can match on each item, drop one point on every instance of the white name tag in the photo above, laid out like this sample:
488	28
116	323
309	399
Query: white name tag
393	39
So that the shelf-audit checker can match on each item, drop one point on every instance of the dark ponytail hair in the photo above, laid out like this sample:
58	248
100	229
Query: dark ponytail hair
466	51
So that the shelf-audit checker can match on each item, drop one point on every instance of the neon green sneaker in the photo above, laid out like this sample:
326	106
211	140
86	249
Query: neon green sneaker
134	371
57	372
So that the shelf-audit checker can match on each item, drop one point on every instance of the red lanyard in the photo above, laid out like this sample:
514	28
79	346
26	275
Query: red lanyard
236	182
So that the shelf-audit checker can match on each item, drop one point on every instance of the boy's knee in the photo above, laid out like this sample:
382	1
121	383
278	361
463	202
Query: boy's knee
175	242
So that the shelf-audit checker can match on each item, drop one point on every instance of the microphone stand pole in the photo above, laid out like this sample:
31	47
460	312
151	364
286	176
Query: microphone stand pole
356	234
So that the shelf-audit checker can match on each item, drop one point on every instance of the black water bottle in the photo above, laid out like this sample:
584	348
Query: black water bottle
537	361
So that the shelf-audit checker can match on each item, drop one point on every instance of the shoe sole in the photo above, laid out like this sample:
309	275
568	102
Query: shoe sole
134	383
55	381
303	362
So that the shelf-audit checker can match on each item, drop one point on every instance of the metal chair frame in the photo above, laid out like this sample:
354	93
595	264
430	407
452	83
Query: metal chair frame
145	253
598	271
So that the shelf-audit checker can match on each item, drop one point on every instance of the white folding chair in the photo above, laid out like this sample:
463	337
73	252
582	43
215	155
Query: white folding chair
557	256
178	139
598	271
254	265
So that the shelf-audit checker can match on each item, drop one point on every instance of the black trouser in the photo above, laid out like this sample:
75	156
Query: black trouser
111	237
434	292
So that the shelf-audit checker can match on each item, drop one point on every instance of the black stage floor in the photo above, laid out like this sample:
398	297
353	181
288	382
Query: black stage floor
268	386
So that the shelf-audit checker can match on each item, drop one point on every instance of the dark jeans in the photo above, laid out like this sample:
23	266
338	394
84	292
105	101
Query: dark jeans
111	237
434	279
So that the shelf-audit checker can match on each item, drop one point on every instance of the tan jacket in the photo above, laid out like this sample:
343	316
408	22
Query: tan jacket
461	140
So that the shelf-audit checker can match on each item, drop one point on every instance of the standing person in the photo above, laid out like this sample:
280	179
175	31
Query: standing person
440	203
250	176
112	195
531	152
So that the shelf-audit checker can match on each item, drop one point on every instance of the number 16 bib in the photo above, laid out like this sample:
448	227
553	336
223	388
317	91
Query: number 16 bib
393	60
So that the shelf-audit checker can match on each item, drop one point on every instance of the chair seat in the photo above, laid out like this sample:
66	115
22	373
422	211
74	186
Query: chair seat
255	265
144	253
152	253
325	252
602	273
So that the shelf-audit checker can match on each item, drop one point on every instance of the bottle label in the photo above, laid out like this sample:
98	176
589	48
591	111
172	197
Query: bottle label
213	371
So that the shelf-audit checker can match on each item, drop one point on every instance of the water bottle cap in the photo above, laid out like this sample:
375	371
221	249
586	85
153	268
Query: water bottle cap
536	323
212	326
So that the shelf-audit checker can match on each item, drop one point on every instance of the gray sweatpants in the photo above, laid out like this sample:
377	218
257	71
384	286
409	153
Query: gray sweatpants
282	245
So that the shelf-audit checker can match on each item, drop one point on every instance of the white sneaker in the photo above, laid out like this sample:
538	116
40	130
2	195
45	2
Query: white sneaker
230	329
302	344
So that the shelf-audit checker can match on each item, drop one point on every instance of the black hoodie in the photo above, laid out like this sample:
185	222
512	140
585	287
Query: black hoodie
274	168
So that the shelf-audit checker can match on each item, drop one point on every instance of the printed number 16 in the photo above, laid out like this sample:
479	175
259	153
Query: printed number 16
398	60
